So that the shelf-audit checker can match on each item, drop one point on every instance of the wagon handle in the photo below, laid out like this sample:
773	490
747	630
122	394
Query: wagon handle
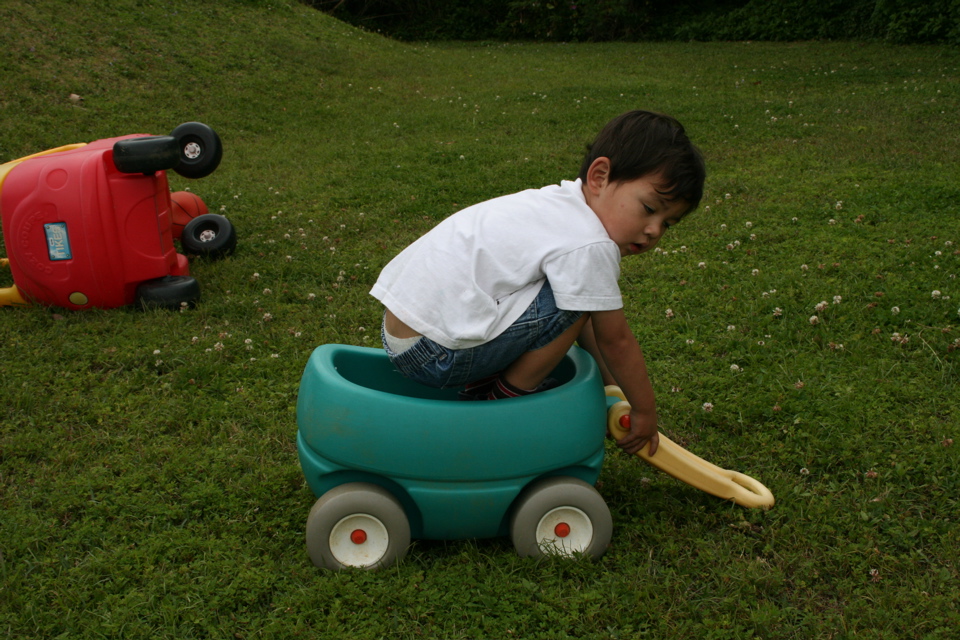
687	467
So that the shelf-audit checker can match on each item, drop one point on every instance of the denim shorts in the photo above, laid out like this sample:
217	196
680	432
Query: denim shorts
437	366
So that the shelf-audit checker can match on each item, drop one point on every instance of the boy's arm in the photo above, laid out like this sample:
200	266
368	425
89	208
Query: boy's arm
621	353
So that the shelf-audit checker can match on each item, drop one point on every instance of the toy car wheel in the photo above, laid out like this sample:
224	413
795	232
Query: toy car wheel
199	151
357	525
561	516
147	154
210	235
169	292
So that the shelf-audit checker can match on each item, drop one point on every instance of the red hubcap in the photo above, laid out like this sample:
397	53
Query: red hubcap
359	536
562	530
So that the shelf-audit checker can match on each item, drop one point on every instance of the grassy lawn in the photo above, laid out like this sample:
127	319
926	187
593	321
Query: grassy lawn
149	482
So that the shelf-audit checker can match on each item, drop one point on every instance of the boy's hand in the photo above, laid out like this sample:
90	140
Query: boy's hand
643	429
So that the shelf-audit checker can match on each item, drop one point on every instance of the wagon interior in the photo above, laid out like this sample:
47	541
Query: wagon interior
373	371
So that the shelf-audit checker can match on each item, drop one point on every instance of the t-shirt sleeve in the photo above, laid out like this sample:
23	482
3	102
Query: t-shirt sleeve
585	279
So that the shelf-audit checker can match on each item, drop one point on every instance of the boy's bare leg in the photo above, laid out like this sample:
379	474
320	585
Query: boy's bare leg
588	342
532	368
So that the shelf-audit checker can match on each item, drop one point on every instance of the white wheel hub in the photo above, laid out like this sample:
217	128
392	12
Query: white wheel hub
359	540
564	531
192	150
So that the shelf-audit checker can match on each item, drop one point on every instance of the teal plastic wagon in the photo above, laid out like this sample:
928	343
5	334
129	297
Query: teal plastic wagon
390	460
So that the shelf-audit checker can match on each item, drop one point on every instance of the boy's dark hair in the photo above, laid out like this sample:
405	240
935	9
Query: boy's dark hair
639	143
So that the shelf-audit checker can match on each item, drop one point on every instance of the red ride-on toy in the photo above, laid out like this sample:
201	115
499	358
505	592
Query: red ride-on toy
93	225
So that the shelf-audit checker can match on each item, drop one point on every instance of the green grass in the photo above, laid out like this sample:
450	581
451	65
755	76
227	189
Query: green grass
149	484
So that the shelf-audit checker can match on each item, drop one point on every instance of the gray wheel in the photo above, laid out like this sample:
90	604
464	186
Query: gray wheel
357	525
561	516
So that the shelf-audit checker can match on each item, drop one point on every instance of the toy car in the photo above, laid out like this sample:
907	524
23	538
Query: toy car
392	460
93	225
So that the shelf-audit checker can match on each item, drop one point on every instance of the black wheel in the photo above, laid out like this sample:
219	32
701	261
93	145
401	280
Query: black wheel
147	154
357	525
561	516
169	292
210	235
199	150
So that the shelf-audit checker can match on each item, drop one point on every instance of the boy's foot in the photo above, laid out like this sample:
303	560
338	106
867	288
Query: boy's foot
480	389
503	389
490	388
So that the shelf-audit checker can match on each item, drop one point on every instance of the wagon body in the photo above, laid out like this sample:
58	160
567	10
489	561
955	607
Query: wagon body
79	233
456	467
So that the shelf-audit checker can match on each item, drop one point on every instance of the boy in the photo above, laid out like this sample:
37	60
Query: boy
495	295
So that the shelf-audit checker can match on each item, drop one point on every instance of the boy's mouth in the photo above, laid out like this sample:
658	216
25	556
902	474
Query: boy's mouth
635	248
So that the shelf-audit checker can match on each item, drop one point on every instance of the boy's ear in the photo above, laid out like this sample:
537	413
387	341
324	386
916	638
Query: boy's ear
598	174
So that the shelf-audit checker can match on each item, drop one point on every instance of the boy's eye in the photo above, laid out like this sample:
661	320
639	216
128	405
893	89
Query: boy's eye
648	208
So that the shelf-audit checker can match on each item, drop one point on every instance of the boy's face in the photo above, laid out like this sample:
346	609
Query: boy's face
633	212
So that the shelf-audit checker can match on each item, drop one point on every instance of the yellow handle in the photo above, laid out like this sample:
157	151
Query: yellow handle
676	461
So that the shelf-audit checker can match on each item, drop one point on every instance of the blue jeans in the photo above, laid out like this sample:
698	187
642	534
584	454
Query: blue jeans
437	366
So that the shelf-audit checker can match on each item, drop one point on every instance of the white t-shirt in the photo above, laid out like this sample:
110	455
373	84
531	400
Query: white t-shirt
470	277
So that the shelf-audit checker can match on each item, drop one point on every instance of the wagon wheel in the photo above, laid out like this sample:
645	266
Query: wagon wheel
357	524
561	516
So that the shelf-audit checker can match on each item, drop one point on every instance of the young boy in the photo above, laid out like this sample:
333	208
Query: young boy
494	296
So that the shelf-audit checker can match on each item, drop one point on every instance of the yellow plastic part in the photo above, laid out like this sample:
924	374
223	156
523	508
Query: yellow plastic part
10	296
676	461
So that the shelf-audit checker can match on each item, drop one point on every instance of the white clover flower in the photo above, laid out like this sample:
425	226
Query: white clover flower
895	310
731	327
837	299
156	352
723	227
311	296
708	406
832	221
689	341
814	320
748	225
669	313
255	276
821	306
267	317
794	219
735	368
755	272
839	205
267	292
804	472
702	265
803	267
934	294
